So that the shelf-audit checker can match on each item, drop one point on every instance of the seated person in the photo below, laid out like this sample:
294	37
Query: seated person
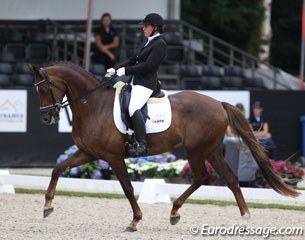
260	127
107	41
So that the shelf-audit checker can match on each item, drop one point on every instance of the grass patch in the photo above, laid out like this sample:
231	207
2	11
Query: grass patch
33	174
191	201
71	193
249	204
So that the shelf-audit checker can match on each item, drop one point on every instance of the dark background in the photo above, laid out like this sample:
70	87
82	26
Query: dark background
42	144
283	109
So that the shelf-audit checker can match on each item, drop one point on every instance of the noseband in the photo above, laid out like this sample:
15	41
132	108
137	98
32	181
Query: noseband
50	82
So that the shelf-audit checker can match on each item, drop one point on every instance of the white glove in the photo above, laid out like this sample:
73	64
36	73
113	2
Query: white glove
110	72
120	72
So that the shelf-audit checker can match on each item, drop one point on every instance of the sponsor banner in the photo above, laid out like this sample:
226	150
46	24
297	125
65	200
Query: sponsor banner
13	110
233	97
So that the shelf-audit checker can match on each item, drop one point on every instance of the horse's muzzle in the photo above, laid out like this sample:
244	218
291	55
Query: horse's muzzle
49	117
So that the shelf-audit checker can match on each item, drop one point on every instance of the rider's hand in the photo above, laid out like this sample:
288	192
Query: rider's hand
120	72
110	72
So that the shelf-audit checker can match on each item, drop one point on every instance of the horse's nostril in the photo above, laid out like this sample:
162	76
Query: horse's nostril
45	119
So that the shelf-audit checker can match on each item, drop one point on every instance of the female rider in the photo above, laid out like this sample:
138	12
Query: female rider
143	67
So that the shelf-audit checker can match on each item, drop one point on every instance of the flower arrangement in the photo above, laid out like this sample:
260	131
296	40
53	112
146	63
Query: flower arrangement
213	179
159	166
99	169
167	166
290	173
162	165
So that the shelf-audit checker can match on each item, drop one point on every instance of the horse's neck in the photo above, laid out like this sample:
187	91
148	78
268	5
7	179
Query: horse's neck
80	85
85	94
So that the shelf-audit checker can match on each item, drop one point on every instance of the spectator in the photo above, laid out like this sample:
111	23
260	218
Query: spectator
260	126
107	41
229	132
241	107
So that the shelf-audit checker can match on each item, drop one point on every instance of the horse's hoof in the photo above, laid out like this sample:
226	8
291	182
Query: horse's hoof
245	219
47	212
131	229
174	219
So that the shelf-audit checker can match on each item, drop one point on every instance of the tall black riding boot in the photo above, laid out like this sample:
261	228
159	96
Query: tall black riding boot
140	133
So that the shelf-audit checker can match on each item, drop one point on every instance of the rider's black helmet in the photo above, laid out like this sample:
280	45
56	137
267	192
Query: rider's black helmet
153	19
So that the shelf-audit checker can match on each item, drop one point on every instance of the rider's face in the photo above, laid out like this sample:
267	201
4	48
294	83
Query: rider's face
148	29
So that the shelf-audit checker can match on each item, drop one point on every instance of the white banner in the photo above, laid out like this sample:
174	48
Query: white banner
13	110
65	122
233	97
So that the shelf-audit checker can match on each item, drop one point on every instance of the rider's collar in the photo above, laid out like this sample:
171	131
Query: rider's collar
152	37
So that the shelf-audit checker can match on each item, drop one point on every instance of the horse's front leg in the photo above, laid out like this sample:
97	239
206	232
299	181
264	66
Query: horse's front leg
120	170
74	160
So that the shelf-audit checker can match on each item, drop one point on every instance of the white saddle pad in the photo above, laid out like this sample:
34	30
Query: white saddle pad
159	112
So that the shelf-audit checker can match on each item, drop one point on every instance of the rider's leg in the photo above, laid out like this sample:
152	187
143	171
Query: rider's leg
139	96
140	132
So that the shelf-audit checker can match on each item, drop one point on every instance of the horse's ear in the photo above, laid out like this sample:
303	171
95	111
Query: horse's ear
33	69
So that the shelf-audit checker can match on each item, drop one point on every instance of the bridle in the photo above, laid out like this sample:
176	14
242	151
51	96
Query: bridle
51	83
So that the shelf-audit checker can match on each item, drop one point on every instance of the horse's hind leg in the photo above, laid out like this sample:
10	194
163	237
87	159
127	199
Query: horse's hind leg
197	164
226	174
74	160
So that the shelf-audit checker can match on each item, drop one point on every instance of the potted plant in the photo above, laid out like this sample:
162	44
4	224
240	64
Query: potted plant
291	173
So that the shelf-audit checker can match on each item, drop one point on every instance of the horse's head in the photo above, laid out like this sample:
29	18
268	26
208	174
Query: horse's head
50	92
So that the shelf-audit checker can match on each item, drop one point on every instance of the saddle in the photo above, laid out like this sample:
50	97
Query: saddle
124	100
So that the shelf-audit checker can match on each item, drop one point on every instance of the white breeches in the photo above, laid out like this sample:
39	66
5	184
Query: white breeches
139	96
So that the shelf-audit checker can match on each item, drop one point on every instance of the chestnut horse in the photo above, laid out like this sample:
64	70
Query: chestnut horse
198	123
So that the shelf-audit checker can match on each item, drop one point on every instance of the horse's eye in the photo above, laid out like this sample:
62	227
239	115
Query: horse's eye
42	90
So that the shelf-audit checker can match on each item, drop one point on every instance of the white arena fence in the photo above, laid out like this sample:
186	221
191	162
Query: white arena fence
149	191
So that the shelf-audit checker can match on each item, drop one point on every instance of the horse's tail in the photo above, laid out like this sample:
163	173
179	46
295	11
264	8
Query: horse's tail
241	128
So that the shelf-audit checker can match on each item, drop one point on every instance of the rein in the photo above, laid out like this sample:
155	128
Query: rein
66	103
